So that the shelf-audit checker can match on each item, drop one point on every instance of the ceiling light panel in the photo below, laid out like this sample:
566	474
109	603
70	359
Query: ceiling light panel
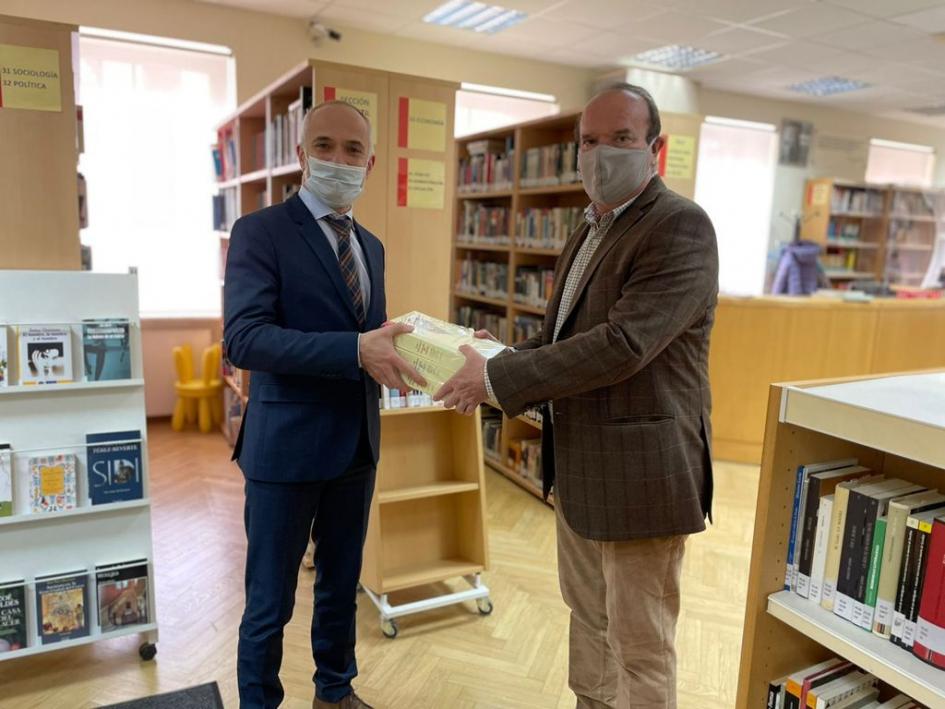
828	86
475	16
676	57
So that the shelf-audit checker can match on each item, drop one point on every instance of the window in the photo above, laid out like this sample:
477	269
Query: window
735	186
900	163
149	115
480	108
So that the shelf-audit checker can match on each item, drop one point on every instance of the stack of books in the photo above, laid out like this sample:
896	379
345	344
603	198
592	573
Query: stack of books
834	683
488	167
486	278
484	224
533	285
550	165
546	228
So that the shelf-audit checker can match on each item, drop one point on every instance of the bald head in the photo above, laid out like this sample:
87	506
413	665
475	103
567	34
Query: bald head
329	114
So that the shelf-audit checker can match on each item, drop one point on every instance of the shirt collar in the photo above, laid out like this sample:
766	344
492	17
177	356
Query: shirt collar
593	218
318	208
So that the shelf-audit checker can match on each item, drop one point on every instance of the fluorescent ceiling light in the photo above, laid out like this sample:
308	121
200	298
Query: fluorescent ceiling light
737	123
155	41
828	86
476	16
513	93
677	57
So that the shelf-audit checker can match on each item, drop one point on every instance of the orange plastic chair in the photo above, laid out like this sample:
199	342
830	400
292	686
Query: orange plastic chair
199	399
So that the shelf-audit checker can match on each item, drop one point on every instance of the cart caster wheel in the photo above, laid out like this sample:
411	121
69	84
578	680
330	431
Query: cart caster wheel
147	651
389	628
484	605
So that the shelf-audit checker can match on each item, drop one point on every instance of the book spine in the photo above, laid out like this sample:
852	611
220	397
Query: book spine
872	577
906	579
789	570
832	565
889	573
824	515
928	631
912	602
799	535
849	550
808	524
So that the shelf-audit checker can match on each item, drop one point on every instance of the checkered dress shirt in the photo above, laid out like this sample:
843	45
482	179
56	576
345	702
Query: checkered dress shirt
599	226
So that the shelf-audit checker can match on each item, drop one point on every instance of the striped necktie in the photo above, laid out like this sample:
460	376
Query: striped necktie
341	225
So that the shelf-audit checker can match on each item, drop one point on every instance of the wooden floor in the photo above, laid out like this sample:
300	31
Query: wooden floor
445	659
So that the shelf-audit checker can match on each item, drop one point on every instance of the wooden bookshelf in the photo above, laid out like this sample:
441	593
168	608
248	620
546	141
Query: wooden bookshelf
890	230
891	424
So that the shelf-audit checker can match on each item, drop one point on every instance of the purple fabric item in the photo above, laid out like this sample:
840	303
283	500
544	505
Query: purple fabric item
797	269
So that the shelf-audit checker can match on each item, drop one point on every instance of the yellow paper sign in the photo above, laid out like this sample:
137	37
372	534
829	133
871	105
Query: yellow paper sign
53	480
680	157
421	124
364	101
820	194
29	78
421	183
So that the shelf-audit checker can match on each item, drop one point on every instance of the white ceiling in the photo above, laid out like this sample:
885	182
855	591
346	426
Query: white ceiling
767	44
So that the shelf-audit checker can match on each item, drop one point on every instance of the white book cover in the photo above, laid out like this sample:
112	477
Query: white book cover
45	354
824	513
6	480
4	357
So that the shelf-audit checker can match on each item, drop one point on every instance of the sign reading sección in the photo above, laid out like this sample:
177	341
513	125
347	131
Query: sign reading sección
29	78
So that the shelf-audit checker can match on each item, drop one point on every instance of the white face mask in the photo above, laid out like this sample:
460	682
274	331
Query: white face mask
610	175
334	184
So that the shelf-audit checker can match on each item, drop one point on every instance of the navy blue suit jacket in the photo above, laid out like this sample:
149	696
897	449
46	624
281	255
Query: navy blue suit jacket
288	317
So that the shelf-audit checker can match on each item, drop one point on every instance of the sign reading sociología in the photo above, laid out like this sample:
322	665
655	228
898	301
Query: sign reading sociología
29	78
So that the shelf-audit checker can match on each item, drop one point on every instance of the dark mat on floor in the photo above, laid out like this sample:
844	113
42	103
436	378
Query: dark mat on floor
204	696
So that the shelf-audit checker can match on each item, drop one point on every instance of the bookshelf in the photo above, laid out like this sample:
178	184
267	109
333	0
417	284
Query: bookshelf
873	232
891	423
257	168
427	521
548	212
50	419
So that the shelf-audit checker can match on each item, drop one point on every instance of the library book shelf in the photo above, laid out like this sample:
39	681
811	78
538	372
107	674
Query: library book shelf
53	419
893	424
427	521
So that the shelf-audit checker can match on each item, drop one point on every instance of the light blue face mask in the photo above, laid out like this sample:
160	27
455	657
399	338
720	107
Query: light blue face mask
334	184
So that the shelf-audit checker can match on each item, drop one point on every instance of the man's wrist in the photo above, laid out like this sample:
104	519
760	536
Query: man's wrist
490	393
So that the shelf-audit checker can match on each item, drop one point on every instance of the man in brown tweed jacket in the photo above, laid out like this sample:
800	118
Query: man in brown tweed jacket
621	362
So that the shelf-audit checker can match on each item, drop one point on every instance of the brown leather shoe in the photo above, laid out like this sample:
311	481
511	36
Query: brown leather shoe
352	701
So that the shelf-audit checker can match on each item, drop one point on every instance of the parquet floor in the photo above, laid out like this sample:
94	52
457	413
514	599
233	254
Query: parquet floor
445	659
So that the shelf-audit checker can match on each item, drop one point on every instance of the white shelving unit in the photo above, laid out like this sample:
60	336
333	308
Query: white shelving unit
48	419
893	425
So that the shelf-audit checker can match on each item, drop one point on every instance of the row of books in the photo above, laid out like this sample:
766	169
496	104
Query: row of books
526	326
61	604
404	399
224	156
546	228
840	260
482	319
843	229
853	199
488	167
524	458
911	204
492	432
871	549
485	278
112	467
533	285
225	208
912	233
44	352
550	165
483	224
834	683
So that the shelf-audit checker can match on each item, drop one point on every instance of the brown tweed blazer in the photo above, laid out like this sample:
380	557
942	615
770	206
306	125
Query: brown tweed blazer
628	375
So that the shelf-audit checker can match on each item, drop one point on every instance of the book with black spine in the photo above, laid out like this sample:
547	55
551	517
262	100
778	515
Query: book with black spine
14	634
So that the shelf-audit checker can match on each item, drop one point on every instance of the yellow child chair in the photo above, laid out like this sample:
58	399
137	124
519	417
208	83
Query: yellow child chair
198	400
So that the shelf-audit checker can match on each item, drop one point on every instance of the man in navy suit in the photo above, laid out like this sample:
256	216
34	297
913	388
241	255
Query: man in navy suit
304	310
